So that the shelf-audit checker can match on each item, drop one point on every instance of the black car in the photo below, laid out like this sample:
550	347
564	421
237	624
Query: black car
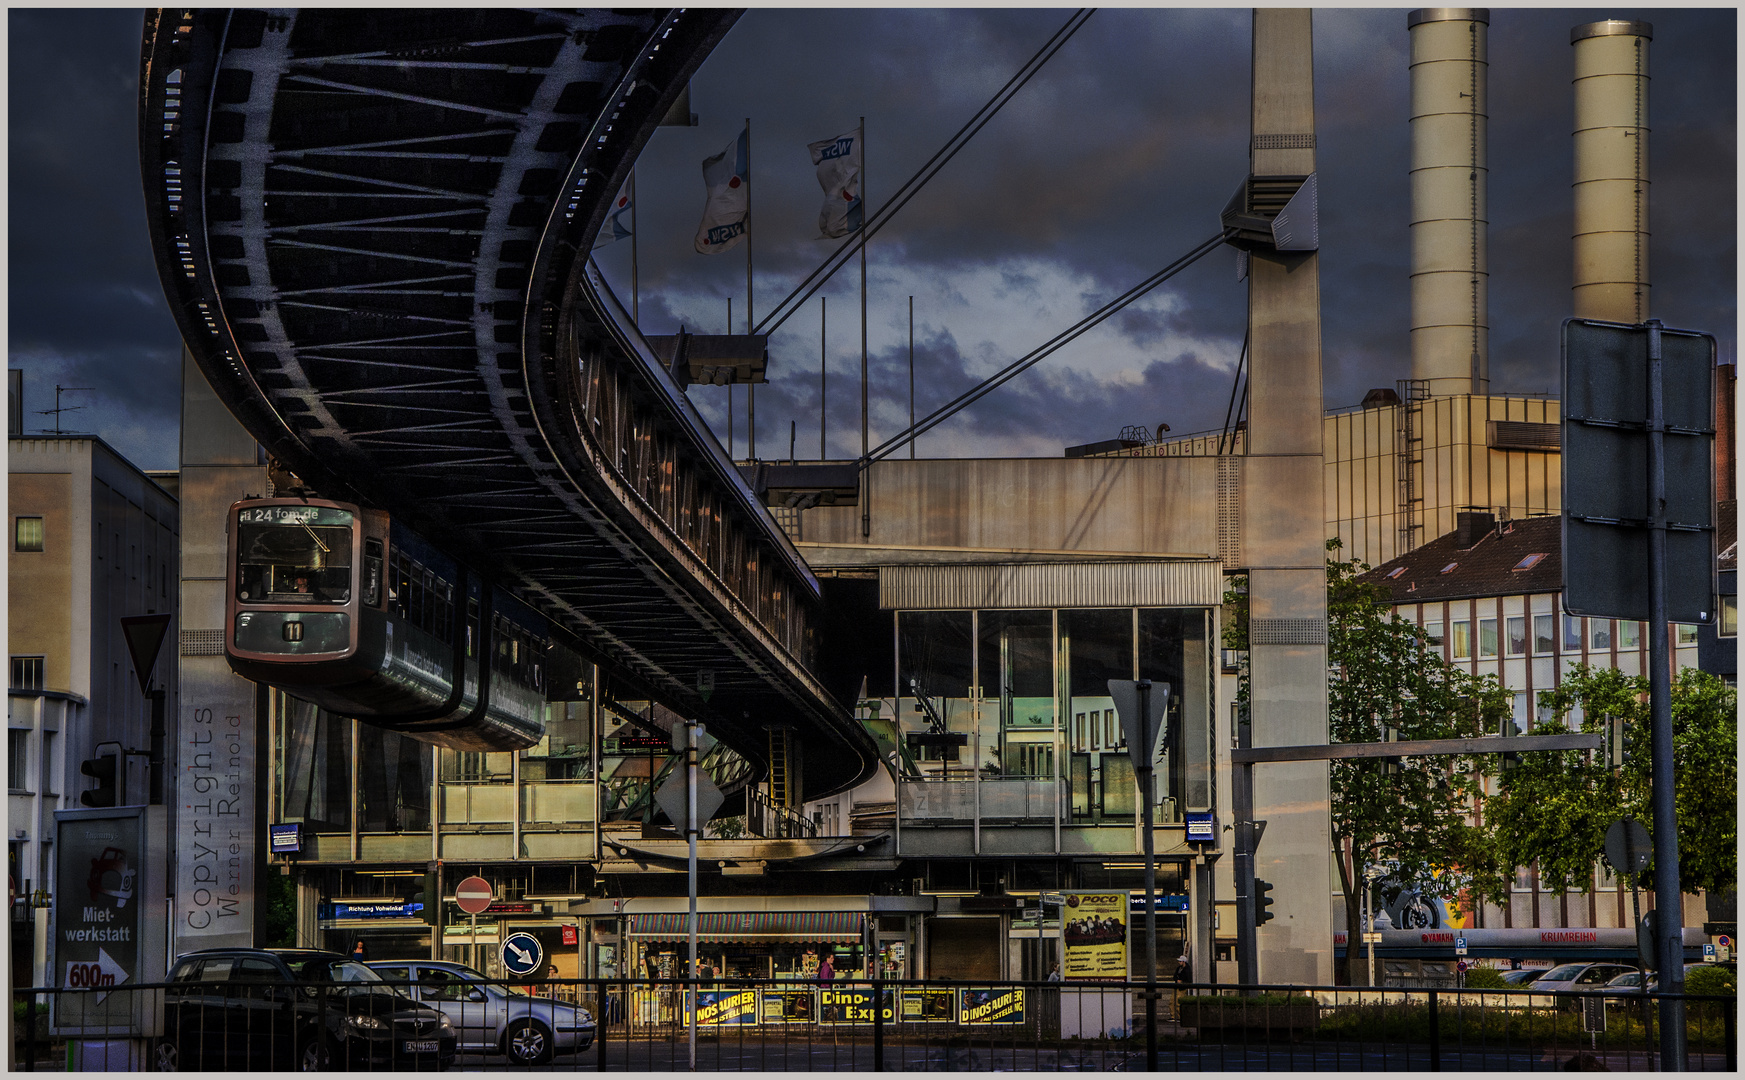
278	1009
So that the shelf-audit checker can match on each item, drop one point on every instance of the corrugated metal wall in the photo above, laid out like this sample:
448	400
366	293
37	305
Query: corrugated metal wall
1051	585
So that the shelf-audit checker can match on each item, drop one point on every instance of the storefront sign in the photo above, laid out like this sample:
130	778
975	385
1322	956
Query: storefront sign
723	1008
796	1006
638	745
929	1006
571	935
1096	935
285	839
1171	903
1002	1006
388	909
849	1005
107	919
510	907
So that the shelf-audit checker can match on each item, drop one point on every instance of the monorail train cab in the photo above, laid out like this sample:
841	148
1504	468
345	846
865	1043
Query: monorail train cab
348	609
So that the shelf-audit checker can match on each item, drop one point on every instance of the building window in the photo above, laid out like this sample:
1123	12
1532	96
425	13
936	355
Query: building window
1463	639
27	673
18	759
1433	633
1629	635
1599	635
1523	879
1542	631
1572	633
1529	562
1607	878
1729	622
1687	634
27	534
1518	715
1517	628
1487	637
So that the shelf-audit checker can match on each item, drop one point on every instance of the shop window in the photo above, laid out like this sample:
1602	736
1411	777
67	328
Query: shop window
27	534
27	672
1599	634
1487	637
1629	634
1461	646
1516	626
1572	633
1543	629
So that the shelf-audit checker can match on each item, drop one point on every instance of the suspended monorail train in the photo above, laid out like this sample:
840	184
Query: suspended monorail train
343	606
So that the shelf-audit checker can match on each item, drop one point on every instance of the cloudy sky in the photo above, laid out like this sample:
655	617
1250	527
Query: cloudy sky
1109	164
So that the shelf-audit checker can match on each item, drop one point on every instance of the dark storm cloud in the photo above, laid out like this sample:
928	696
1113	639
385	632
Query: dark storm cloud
85	306
1115	159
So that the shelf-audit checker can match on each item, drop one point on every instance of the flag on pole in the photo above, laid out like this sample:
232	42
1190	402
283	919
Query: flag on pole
838	162
617	226
727	176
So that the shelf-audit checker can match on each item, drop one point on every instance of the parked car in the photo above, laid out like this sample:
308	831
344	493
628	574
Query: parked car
1629	984
279	1009
1522	976
1579	976
489	1018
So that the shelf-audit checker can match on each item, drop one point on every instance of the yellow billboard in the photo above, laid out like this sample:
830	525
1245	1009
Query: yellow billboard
1094	929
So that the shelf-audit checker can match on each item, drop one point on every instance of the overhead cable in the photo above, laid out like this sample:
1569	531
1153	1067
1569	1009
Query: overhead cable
899	198
1054	344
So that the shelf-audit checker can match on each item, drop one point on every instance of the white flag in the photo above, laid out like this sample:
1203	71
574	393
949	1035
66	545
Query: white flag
727	176
617	225
838	162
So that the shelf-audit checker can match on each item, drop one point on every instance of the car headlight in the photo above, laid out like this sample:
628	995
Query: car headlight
584	1018
443	1024
365	1023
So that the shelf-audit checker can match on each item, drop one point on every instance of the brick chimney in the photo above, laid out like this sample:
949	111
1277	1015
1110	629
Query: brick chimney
1471	527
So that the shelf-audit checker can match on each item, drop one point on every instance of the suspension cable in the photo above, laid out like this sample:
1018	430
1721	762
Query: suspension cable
1054	344
899	198
1235	385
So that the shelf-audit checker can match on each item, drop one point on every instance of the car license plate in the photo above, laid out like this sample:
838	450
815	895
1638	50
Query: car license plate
421	1046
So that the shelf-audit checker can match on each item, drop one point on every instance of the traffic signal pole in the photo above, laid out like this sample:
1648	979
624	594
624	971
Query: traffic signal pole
1242	803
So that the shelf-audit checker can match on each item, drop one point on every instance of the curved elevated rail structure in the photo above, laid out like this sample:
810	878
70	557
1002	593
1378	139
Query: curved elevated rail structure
372	228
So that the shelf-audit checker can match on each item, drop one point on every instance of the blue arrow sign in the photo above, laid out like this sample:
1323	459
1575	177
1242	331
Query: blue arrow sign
522	954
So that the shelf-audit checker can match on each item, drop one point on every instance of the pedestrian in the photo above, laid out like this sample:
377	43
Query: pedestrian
1054	972
827	974
359	953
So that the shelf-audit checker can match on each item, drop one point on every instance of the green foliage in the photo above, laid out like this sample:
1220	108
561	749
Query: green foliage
1485	978
728	828
279	893
1409	814
1555	806
1493	1020
1709	979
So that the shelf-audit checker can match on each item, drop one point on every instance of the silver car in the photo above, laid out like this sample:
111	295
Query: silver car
1578	976
488	1018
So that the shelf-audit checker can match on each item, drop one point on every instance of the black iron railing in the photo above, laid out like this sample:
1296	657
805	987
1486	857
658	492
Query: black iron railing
746	1025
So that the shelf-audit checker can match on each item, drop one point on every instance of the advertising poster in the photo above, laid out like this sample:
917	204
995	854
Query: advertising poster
725	1008
998	1006
107	919
849	1005
928	1005
796	1006
1095	935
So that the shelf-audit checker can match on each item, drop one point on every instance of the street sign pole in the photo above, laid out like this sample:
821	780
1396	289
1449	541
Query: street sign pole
692	730
1668	896
1147	787
1242	803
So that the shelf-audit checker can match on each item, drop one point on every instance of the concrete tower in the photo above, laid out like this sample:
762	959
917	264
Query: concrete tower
1611	170
1282	517
1450	308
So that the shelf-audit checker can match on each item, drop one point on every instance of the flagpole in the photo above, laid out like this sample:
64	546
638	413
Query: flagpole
823	369
635	307
911	378
750	387
865	499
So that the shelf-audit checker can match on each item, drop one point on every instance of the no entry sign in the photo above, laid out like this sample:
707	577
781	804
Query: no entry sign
473	895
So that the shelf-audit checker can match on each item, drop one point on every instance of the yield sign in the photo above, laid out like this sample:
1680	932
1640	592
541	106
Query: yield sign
670	797
1144	733
145	636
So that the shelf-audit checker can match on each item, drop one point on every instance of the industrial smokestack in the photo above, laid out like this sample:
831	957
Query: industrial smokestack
1450	306
1611	170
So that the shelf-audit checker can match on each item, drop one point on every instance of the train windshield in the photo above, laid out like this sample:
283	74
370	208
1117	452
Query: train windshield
293	555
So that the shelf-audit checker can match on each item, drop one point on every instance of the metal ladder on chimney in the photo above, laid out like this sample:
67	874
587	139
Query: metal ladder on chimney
1409	442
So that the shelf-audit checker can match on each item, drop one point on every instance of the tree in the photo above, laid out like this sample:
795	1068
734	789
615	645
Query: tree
1554	807
1407	817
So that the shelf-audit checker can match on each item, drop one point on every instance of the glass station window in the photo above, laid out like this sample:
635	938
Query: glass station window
393	781
935	665
314	761
293	555
1016	654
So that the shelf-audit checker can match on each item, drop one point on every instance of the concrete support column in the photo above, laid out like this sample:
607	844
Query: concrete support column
1283	528
1611	170
1450	277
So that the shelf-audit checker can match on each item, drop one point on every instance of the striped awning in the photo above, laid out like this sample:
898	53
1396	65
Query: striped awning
752	925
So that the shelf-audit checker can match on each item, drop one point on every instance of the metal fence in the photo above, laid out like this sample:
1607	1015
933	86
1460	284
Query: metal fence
849	1024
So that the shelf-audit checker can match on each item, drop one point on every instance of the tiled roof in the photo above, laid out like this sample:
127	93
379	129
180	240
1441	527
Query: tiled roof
1486	568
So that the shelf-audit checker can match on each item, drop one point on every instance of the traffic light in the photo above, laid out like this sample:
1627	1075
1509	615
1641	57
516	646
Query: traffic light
1262	902
103	770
